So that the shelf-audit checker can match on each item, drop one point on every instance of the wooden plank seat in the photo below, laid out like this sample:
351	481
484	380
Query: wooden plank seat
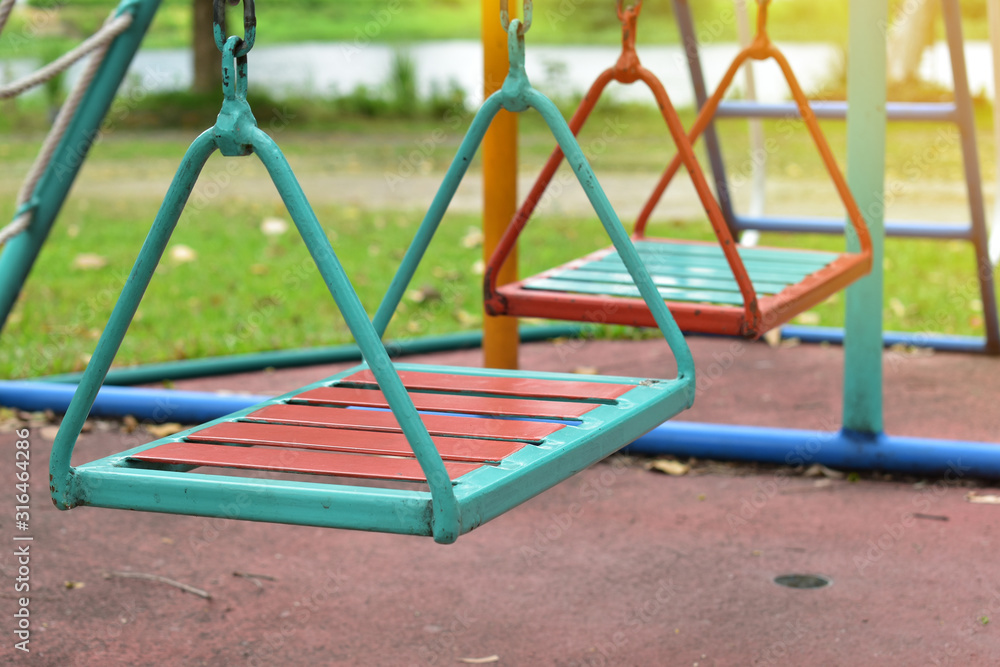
716	288
505	437
695	281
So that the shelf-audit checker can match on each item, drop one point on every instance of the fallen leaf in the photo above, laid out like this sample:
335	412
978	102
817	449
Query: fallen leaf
273	227
587	370
431	293
259	269
985	499
49	432
182	254
130	423
73	584
790	342
88	261
467	319
473	238
773	337
480	661
819	470
163	430
675	468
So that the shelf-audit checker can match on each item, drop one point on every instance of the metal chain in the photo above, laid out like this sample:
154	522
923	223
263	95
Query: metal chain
66	113
526	12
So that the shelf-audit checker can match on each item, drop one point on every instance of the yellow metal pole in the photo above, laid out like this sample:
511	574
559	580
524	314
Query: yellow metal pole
500	338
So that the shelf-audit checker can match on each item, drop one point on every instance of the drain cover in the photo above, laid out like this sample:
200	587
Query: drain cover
802	581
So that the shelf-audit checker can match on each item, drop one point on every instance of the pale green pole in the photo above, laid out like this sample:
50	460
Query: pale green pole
866	79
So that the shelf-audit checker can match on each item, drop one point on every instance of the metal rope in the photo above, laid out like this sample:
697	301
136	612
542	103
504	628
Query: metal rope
101	41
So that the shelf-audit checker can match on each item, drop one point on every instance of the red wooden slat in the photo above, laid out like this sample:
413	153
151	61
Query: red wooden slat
501	386
476	405
371	420
292	460
347	440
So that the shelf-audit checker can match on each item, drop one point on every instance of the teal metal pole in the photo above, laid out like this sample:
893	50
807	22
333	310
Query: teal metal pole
866	116
19	254
258	361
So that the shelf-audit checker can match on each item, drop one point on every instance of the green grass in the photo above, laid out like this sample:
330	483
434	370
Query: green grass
248	292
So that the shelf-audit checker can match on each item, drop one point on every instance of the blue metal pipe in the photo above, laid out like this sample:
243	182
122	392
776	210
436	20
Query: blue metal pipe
939	342
821	225
841	450
902	111
152	405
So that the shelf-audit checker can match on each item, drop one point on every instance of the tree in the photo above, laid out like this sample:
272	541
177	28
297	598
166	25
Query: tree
207	71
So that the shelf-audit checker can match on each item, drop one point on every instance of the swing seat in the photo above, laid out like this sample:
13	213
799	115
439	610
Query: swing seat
715	288
504	437
695	281
387	447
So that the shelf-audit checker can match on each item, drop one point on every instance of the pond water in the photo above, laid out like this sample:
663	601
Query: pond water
322	69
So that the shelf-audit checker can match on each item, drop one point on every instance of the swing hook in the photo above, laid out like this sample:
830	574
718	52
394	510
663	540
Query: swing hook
760	48
525	21
249	25
624	13
627	68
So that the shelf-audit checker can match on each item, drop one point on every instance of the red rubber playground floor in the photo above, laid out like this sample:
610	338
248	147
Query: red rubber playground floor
620	565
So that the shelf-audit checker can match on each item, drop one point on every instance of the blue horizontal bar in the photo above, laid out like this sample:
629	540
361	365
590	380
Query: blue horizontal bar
904	111
708	441
146	405
940	342
895	228
841	450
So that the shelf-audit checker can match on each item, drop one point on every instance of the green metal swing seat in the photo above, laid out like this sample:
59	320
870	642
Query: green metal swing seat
395	448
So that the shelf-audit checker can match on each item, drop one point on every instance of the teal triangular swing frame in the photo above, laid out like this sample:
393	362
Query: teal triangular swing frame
458	498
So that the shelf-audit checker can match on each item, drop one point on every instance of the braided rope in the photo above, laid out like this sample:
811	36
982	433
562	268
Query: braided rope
102	37
5	7
111	29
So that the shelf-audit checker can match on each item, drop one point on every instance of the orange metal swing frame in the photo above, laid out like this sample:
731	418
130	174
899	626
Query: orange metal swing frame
757	313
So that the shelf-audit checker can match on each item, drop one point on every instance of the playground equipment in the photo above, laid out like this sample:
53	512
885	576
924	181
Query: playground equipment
74	131
960	113
860	443
483	441
707	286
